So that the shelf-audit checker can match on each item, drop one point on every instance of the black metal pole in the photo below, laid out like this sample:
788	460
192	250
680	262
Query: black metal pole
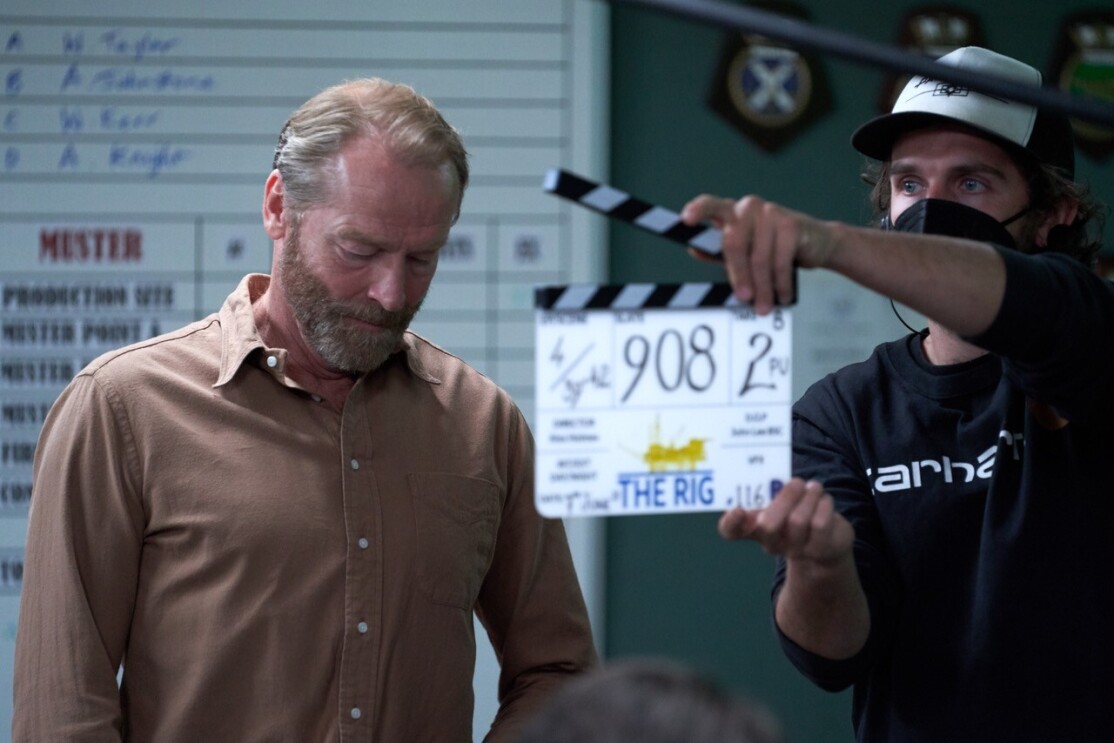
807	36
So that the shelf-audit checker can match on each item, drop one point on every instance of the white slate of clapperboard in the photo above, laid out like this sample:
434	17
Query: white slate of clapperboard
644	409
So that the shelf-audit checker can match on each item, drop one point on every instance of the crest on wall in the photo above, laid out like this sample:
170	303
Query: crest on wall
931	31
766	89
1083	64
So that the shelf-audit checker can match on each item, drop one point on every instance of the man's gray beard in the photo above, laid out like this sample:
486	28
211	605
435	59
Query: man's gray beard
321	318
344	347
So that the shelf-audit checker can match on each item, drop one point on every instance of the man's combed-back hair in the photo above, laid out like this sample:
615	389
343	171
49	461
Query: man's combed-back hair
404	121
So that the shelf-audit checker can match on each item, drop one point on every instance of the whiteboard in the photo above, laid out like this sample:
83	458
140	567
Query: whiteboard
134	142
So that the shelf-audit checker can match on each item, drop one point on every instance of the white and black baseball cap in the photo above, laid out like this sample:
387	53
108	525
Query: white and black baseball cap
1033	133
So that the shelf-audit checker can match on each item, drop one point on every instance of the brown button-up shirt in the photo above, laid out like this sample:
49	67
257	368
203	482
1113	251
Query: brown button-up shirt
269	569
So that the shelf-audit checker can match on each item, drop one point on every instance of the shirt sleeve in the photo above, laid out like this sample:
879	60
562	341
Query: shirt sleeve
822	451
81	567
1055	333
530	603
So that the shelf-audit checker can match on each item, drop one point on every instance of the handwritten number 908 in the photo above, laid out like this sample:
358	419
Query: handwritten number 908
695	364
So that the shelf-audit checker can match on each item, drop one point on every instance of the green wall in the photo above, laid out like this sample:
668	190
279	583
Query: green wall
674	588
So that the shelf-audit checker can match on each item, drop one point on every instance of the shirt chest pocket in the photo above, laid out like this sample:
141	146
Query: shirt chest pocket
455	521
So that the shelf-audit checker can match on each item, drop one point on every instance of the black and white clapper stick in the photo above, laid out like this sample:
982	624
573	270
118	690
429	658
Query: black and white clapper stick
621	205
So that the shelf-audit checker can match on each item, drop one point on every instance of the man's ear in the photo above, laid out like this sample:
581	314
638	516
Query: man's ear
274	214
1064	213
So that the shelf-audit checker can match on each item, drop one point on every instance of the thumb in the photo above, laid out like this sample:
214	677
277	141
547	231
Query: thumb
738	523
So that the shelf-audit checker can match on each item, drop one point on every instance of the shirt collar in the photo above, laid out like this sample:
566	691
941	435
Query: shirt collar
412	345
240	336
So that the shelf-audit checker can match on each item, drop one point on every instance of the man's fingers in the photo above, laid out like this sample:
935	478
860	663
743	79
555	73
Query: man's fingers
761	242
707	208
800	522
785	253
737	523
762	257
738	241
822	516
787	530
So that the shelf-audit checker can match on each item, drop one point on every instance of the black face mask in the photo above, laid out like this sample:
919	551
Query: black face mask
950	218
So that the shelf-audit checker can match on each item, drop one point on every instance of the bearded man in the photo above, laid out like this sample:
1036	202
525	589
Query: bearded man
280	519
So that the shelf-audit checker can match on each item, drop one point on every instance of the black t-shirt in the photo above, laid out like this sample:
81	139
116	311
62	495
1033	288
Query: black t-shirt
984	526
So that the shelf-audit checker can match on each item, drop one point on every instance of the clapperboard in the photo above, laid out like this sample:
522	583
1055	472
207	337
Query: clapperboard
656	398
621	205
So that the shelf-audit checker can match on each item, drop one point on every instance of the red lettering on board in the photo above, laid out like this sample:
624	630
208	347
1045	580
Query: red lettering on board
90	245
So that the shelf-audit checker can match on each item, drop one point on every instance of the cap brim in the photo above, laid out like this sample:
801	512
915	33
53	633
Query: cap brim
876	137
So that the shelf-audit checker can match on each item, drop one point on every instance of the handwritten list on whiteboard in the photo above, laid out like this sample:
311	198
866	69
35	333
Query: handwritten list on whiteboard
135	139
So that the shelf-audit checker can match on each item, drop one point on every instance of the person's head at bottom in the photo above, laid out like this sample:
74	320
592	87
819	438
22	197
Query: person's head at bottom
648	701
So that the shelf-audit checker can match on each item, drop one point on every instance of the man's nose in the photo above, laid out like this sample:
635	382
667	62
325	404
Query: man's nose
388	284
936	190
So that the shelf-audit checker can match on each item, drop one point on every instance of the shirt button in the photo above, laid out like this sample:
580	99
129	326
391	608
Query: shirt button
362	542
272	362
362	628
316	398
356	713
355	463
